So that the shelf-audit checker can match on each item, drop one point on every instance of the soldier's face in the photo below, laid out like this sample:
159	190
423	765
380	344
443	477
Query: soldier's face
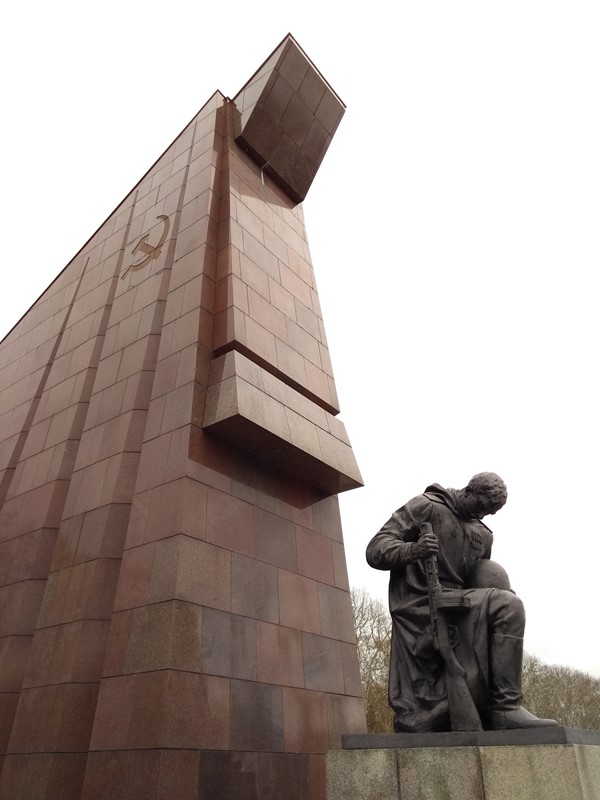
478	506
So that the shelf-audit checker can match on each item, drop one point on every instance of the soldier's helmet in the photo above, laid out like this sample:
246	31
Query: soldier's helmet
488	574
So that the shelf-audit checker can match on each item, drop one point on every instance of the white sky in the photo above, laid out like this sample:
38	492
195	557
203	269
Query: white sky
453	227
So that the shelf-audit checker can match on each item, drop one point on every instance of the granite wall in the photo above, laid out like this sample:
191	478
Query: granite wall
175	617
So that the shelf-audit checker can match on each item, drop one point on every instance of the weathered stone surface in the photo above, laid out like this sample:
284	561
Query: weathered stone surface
362	775
533	772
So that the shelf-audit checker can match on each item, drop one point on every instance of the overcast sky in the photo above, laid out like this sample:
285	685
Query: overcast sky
454	230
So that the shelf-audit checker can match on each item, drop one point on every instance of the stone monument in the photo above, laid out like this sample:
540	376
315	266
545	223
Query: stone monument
455	669
176	620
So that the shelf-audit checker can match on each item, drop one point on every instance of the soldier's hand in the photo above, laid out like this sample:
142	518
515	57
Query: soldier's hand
425	546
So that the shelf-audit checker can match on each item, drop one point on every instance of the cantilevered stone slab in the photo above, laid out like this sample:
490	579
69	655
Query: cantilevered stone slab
256	411
288	114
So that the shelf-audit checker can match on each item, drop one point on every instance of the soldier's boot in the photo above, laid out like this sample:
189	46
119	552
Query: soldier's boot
506	711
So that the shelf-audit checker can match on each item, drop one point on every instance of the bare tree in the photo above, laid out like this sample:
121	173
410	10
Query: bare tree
373	633
569	696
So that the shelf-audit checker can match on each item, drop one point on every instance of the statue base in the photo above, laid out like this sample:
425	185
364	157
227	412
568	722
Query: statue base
535	764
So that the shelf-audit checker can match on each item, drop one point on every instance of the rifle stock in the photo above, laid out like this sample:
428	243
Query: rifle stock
463	712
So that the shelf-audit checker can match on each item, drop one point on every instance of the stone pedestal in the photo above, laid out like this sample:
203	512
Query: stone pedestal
547	764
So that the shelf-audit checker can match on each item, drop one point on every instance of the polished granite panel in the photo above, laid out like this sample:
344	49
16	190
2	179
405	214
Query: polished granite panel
287	115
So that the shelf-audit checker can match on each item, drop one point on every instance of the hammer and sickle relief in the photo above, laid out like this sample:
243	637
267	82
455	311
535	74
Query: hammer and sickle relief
150	251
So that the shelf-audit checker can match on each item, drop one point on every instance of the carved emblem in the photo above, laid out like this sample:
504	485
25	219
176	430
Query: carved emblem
150	251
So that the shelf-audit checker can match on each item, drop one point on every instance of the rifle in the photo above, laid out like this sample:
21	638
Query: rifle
463	712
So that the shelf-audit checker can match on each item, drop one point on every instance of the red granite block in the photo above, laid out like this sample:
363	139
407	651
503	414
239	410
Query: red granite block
122	433
135	577
8	708
113	713
302	342
175	507
179	775
151	471
73	716
315	556
256	278
197	714
283	775
154	417
148	710
298	602
256	716
119	482
163	504
20	604
305	721
188	266
213	460
337	619
108	369
189	569
295	285
290	362
140	355
66	774
339	566
40	667
106	403
33	729
103	532
345	715
86	489
230	522
326	516
42	507
228	645
317	382
276	245
117	642
316	776
100	582
228	775
165	377
14	652
254	589
255	483
9	515
186	653
27	556
275	541
279	657
25	776
185	331
193	504
164	635
179	408
323	669
267	315
108	773
351	671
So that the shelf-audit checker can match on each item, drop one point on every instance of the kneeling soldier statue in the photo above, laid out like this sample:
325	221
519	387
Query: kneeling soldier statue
457	627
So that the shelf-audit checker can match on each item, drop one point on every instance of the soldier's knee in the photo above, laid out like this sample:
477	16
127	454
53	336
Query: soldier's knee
507	612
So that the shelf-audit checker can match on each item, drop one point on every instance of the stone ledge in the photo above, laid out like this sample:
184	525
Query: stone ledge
257	412
471	738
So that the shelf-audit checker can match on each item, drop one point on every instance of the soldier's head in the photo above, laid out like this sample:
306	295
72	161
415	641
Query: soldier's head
484	494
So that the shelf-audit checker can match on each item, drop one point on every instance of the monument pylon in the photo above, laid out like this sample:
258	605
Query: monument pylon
176	619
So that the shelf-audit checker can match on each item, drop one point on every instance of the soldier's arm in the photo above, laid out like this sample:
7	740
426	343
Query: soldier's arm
396	543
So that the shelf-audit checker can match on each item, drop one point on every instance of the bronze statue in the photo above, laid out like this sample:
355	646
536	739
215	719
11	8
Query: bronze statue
457	627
